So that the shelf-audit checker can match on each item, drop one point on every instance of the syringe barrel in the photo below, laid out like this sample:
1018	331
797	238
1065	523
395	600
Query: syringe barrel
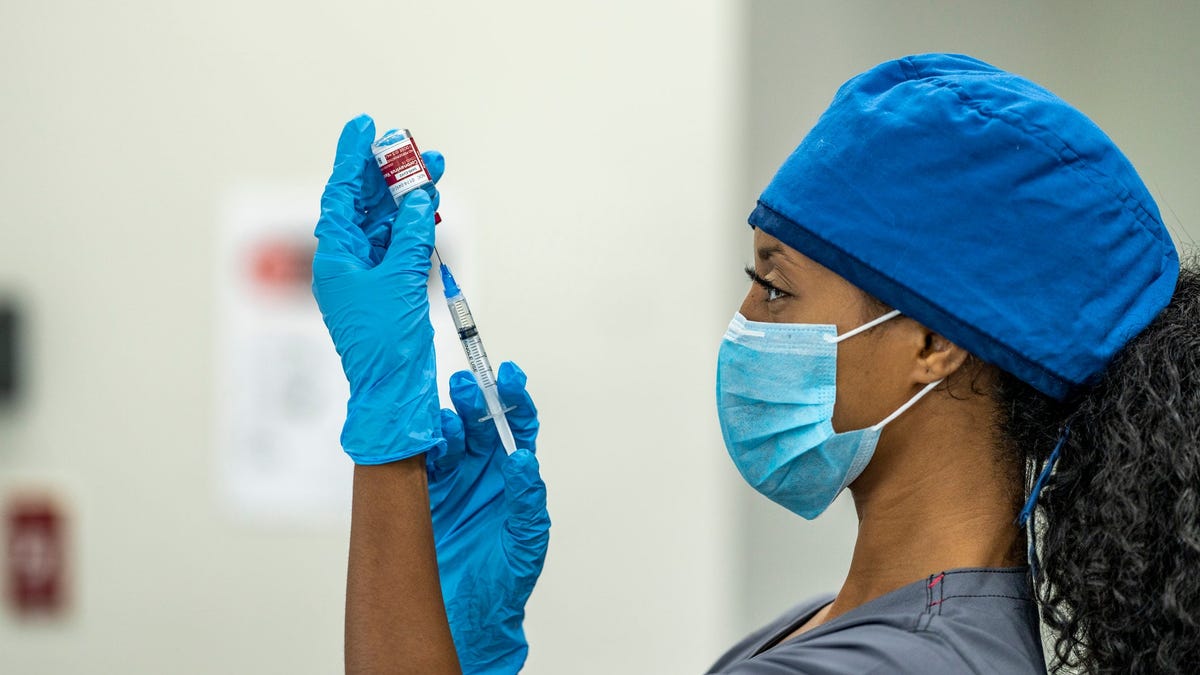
472	344
480	365
461	313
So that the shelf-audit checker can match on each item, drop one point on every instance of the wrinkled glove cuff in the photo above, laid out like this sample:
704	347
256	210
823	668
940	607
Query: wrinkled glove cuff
385	428
509	664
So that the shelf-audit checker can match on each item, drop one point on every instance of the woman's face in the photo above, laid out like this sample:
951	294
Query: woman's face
874	368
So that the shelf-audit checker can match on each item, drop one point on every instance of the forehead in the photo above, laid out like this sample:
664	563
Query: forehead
820	294
799	268
768	248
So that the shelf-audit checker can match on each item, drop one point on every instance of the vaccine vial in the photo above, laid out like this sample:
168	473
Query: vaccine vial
399	160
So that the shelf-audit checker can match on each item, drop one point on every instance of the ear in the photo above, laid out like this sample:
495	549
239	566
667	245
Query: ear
939	359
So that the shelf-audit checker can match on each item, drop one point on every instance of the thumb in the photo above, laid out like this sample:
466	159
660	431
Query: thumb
412	233
440	464
527	525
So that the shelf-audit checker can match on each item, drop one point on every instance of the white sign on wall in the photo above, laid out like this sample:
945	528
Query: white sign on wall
281	394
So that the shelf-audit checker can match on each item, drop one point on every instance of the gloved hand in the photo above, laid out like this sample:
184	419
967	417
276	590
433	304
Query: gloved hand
369	279
490	523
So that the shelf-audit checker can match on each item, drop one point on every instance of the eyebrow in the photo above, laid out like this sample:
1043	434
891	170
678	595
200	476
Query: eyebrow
765	252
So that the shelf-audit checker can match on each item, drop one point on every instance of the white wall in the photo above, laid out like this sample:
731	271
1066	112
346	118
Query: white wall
593	140
1130	66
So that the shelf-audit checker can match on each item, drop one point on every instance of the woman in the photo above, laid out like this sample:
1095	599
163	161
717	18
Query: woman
964	307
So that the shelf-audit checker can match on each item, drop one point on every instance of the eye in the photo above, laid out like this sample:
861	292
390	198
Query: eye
773	292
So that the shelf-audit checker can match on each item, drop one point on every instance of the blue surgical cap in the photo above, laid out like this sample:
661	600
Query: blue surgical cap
984	207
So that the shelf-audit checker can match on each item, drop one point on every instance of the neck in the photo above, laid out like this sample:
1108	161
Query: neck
938	503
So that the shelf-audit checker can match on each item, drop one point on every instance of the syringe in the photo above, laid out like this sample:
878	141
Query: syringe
472	344
403	170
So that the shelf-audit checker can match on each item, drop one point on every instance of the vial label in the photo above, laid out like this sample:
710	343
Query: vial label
402	167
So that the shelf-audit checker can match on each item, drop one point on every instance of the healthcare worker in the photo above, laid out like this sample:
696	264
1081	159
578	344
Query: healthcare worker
964	307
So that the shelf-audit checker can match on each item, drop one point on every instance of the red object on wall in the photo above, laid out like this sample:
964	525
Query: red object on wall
35	556
282	264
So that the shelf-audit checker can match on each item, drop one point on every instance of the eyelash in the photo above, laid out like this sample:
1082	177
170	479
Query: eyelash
773	293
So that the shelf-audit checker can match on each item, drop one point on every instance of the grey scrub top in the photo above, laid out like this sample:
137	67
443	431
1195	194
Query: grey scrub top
960	621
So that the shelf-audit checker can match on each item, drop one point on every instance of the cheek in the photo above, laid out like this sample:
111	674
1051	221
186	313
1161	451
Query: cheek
853	394
752	305
868	383
746	302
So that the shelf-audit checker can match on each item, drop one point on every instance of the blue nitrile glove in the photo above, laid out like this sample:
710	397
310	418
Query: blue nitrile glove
369	279
490	523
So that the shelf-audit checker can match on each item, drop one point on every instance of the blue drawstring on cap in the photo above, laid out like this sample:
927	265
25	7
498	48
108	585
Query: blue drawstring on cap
1030	503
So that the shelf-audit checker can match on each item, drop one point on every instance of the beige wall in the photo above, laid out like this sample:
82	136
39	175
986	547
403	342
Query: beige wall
592	139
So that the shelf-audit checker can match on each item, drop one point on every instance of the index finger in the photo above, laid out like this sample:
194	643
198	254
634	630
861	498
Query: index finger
338	228
510	381
435	163
468	401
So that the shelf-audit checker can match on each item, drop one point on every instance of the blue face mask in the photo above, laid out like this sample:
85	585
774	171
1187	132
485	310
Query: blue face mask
776	385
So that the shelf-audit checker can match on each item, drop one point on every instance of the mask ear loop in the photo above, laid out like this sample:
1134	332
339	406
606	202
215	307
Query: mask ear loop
911	402
865	327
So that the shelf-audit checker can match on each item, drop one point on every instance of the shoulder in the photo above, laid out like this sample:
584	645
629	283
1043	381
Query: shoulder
988	617
873	650
759	640
960	621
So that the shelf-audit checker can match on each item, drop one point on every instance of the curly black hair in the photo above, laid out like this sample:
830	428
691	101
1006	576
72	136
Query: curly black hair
1118	523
